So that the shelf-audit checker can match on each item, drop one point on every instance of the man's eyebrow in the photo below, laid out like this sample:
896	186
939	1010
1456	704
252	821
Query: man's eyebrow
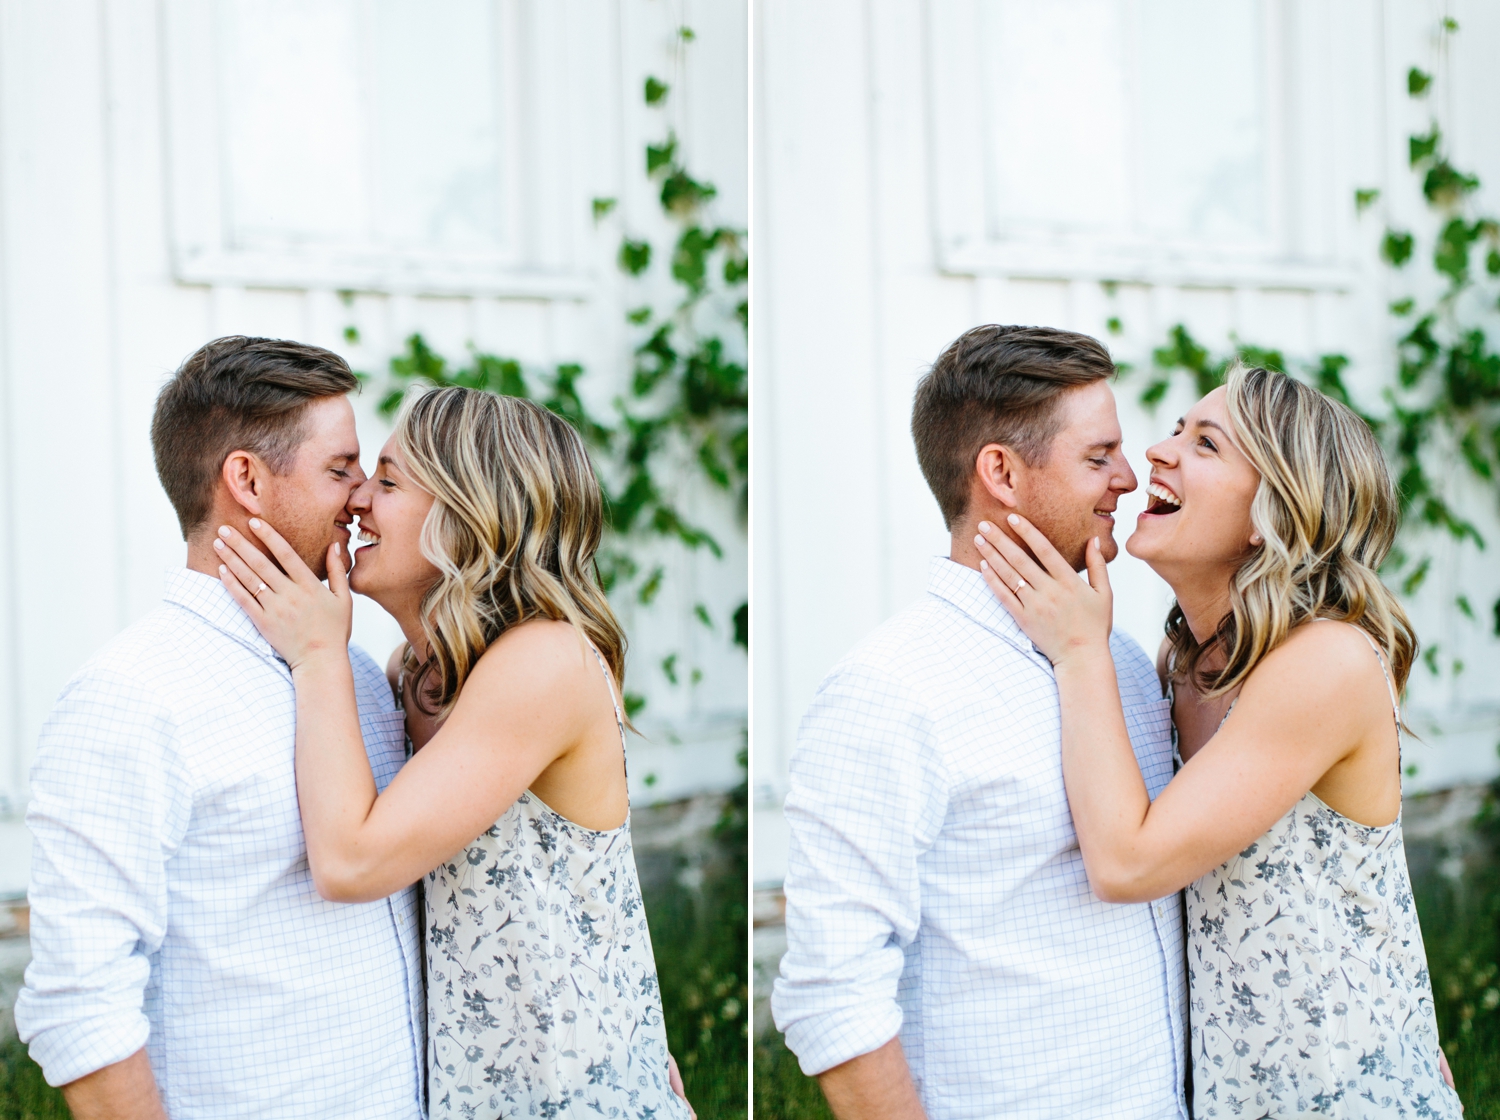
1104	445
345	457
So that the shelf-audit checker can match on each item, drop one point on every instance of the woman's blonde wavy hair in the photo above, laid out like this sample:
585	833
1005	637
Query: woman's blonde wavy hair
1327	509
516	519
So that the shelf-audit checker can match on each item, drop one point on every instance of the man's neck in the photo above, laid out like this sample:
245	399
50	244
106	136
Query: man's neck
961	547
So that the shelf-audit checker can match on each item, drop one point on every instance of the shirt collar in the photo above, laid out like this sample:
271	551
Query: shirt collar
965	589
207	598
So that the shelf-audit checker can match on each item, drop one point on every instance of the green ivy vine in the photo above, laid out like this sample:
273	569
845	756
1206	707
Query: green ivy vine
1444	405
684	413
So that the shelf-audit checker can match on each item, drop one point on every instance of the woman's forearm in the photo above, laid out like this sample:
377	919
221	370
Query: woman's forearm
1106	793
335	786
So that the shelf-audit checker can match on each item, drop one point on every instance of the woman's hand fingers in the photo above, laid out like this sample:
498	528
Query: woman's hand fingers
1014	554
236	589
338	575
996	570
285	554
1040	546
232	542
249	580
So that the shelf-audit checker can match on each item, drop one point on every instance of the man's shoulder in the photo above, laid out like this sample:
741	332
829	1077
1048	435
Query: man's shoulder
1135	671
914	641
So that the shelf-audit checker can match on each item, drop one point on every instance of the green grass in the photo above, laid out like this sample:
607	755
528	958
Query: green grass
24	1094
1461	931
701	943
782	1091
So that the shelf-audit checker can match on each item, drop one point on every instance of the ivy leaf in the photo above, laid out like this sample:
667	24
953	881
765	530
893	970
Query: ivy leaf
1497	618
1417	82
390	403
1417	577
681	193
1152	394
603	206
1446	186
686	34
1462	603
1424	147
648	590
701	613
1451	255
1450	24
1492	262
1403	306
635	256
1396	247
669	667
1113	325
639	316
655	91
1364	199
661	155
737	269
1430	658
742	624
635	703
351	335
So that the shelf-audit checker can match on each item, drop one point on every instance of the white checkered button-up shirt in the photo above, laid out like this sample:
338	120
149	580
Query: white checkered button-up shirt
935	885
171	900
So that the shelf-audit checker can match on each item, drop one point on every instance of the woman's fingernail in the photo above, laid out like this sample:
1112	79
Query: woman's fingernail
984	566
985	526
219	545
255	523
980	540
337	551
223	530
1013	519
222	569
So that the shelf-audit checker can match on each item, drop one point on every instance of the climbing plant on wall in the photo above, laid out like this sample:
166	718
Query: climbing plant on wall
681	421
1442	411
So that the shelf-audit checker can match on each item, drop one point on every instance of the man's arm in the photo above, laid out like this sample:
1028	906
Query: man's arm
110	803
123	1091
868	796
873	1086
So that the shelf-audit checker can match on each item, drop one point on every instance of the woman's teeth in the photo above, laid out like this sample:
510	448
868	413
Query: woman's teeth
1161	493
367	537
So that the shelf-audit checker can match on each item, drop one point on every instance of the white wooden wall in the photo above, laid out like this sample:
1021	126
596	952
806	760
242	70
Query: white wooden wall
171	172
922	166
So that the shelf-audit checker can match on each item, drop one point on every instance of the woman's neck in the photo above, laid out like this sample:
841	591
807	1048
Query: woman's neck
1204	600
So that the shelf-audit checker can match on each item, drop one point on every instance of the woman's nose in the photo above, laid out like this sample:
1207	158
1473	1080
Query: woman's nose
359	500
1160	454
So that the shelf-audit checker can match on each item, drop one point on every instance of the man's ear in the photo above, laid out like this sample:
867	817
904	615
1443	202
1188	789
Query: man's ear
998	470
244	475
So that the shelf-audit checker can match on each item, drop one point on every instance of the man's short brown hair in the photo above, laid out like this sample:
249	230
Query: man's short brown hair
236	394
1002	385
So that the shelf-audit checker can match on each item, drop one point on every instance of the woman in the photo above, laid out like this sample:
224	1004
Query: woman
1270	510
481	524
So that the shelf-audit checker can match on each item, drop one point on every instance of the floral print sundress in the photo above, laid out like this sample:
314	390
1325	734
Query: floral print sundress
1308	982
542	998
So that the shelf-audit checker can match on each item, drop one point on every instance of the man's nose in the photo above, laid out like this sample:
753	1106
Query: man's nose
1126	481
359	497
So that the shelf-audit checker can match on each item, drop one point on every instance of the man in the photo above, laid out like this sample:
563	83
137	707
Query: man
183	964
945	956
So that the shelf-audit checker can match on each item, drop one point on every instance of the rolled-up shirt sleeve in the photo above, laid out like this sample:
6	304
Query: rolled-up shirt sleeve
110	802
867	797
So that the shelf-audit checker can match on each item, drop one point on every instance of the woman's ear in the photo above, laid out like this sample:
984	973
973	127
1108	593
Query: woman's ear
1256	540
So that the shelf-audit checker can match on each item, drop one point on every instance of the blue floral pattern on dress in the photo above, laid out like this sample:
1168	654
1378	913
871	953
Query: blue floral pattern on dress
1309	987
542	997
